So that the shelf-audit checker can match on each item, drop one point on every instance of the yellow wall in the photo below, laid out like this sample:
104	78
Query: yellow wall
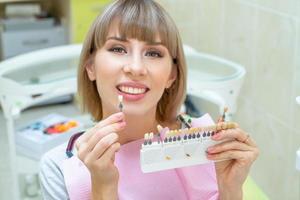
83	14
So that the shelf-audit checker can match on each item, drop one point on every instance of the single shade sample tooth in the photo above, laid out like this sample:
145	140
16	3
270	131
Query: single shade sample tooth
177	132
198	129
167	134
224	125
146	137
151	136
159	128
223	116
171	133
216	128
211	128
194	130
120	98
190	131
219	127
232	125
184	131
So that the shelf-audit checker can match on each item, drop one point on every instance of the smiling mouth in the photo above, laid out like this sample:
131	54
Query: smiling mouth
132	90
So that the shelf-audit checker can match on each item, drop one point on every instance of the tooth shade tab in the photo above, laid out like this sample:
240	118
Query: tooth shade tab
120	97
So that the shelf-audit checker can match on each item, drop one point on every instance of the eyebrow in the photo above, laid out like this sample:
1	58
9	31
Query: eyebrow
125	40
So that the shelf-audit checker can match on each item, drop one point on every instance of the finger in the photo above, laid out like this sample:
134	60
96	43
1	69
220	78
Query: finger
112	128
102	145
229	145
80	140
236	134
85	147
114	118
82	151
247	156
109	154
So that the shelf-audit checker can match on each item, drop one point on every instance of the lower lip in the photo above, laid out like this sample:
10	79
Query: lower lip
132	97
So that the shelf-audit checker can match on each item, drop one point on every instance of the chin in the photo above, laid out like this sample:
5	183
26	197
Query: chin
136	110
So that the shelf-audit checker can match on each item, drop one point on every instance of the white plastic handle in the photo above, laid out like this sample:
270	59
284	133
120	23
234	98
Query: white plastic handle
298	100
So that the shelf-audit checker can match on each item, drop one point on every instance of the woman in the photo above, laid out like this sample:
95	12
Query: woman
134	49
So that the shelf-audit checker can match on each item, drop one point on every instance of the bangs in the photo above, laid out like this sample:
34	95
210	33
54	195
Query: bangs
143	21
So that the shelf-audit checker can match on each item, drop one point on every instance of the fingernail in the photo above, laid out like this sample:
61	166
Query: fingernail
122	124
208	156
210	149
119	114
112	140
217	136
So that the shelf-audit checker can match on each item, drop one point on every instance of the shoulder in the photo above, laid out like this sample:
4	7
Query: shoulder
51	174
54	158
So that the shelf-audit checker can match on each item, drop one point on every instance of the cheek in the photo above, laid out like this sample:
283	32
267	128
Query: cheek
106	74
161	76
159	82
106	66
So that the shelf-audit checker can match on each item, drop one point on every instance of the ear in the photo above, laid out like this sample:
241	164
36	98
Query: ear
90	69
172	76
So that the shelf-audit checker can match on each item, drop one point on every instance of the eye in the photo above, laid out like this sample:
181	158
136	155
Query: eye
118	50
155	54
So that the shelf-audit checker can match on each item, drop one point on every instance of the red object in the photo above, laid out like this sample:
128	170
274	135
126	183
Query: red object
60	128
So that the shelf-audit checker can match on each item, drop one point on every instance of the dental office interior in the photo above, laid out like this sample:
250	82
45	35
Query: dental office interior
241	54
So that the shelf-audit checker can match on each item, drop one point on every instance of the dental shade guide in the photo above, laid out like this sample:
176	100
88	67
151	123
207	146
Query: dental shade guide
179	148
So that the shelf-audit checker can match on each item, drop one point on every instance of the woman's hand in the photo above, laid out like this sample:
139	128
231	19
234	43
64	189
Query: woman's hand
239	152
96	149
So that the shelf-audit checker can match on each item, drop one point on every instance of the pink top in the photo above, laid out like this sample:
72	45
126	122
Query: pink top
196	182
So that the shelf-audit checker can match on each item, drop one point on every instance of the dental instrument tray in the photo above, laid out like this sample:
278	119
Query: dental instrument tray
170	149
41	135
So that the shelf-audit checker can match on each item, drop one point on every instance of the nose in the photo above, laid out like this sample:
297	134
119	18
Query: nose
135	66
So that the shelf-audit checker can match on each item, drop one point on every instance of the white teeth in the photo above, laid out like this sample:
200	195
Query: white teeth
132	90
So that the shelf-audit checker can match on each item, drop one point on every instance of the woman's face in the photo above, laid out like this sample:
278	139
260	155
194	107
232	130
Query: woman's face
138	71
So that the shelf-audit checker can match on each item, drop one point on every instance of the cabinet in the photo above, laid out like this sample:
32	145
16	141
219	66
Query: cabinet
14	42
30	40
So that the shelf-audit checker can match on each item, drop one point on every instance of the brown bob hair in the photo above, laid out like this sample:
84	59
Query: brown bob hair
142	20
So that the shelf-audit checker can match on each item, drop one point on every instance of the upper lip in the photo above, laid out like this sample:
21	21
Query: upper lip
133	84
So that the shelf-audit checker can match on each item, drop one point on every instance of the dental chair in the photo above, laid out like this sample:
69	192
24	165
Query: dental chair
32	79
49	74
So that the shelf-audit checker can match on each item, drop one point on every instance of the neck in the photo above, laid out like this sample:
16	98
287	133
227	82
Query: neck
136	127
